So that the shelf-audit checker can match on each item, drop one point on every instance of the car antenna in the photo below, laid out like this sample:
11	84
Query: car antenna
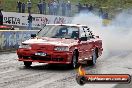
41	28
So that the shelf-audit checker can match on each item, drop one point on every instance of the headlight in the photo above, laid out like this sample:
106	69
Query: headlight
61	48
25	46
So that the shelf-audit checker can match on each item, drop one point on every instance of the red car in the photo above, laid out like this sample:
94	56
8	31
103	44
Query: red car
70	44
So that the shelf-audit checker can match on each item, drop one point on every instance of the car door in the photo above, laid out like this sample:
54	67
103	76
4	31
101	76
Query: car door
82	46
90	44
88	48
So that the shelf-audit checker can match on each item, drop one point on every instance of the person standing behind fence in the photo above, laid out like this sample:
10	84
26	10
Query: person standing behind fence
1	18
40	7
50	6
0	4
101	12
23	7
68	7
29	6
19	6
12	28
79	7
83	8
105	15
55	8
90	8
63	6
58	7
30	18
87	8
43	7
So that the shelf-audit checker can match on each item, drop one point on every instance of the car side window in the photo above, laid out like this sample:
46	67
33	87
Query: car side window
67	32
73	32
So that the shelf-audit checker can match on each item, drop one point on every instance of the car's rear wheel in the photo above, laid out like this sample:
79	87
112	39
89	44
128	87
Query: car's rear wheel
27	63
74	62
94	58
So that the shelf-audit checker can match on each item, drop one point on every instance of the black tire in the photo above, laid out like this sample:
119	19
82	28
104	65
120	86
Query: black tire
81	80
74	62
94	58
27	64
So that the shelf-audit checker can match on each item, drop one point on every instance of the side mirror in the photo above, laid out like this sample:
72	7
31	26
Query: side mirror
97	36
83	39
33	35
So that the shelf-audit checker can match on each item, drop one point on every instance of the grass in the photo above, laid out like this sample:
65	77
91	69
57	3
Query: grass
10	5
110	6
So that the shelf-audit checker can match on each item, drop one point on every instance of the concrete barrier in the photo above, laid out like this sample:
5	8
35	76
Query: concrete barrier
11	39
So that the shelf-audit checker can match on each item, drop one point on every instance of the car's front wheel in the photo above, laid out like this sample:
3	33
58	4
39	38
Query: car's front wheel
94	58
27	63
74	62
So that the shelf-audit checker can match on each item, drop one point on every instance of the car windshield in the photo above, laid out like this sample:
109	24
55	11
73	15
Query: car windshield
58	31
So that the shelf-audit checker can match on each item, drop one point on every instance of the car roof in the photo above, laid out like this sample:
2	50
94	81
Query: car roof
78	25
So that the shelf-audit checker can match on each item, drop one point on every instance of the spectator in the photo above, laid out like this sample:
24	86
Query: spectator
100	12
63	6
23	7
0	4
55	4
29	6
105	15
12	28
83	7
87	7
30	18
50	6
79	7
68	7
19	6
1	18
90	8
44	7
58	7
40	7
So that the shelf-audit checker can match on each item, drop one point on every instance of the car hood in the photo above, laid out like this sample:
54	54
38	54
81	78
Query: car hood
52	41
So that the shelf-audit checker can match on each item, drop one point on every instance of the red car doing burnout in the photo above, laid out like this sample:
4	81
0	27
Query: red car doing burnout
70	44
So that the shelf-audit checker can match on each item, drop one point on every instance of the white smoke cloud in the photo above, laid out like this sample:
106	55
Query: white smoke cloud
116	36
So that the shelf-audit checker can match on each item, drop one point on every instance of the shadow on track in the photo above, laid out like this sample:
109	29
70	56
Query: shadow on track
55	67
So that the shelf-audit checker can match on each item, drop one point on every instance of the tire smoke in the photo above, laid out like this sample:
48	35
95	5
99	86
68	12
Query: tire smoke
116	36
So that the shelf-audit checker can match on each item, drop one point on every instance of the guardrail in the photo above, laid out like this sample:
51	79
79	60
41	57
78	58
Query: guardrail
11	39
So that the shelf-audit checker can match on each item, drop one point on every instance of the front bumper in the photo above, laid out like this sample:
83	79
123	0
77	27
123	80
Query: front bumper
51	57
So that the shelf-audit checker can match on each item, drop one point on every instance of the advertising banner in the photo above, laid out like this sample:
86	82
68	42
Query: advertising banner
20	19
